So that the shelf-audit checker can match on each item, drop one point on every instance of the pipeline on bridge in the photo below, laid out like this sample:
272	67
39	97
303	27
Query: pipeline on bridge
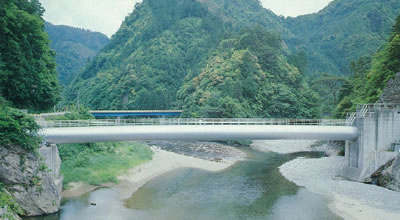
87	131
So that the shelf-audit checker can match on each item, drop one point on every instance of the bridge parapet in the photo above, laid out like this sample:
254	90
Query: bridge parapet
190	121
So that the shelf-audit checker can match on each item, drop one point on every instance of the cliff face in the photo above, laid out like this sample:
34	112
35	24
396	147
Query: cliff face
29	180
388	176
391	93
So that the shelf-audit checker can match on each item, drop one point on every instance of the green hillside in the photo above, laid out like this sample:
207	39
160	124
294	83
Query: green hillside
247	76
164	48
342	32
74	48
145	64
370	76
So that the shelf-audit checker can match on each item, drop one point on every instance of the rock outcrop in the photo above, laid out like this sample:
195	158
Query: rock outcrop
28	178
391	93
388	176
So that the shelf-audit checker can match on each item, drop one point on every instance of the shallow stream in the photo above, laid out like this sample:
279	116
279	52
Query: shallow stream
251	189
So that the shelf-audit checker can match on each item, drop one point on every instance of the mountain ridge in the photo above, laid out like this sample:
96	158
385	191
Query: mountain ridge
74	48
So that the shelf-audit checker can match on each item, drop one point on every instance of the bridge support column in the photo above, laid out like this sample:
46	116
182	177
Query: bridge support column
373	147
52	159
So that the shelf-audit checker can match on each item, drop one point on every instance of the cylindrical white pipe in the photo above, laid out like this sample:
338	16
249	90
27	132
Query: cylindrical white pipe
201	133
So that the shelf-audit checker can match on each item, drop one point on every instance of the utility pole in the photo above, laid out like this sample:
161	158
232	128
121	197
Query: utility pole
78	104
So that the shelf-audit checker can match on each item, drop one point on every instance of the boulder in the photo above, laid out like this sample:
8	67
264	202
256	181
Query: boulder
388	176
391	93
28	178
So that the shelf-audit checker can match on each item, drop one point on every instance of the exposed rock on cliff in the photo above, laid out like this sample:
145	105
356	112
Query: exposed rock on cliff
391	93
35	188
388	176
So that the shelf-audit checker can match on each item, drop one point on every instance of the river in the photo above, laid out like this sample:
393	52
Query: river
251	189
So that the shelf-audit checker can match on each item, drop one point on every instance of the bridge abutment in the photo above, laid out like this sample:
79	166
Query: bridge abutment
379	128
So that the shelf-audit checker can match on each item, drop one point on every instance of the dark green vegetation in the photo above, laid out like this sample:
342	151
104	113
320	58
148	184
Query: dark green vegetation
370	76
343	31
74	48
247	76
146	62
28	75
17	128
209	58
100	163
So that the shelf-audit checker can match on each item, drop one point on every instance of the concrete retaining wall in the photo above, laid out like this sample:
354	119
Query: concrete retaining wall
373	147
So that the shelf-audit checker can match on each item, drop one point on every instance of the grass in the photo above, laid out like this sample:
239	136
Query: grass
101	163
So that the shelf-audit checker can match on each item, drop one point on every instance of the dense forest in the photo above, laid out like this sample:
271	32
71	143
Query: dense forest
370	76
74	48
247	76
28	77
170	54
342	32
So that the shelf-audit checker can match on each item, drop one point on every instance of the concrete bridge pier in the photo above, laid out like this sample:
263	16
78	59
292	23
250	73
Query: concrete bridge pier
52	159
379	129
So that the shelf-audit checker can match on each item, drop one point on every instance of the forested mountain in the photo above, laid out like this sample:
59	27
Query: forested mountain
74	48
28	77
342	32
370	76
166	46
247	76
147	60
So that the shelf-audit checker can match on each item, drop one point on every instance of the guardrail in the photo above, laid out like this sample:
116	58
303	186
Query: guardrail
191	121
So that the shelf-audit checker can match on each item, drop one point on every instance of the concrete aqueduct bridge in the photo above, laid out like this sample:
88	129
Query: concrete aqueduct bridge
370	133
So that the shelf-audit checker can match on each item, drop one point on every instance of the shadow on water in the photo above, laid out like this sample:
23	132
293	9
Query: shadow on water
251	189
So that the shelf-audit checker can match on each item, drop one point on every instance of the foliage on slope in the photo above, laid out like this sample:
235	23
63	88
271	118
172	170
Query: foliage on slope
8	202
343	31
144	65
245	13
74	48
28	76
247	76
370	78
17	128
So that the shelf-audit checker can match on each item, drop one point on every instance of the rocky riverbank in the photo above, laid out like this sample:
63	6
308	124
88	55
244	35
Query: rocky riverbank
350	200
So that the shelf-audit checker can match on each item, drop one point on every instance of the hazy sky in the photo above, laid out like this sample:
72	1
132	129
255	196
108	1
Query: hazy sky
106	15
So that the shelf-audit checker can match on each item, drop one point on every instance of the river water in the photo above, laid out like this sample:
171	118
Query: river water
251	189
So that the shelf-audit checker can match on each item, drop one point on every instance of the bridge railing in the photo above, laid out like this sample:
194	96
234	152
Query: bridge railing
190	121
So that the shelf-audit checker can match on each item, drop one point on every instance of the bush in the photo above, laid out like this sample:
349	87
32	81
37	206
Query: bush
18	129
6	200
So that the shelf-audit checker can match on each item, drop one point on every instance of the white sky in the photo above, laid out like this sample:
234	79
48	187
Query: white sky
106	16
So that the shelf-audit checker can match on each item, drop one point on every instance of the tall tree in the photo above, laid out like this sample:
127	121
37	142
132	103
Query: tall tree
28	77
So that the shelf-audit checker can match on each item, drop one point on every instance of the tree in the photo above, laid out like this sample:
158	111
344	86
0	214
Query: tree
329	84
28	77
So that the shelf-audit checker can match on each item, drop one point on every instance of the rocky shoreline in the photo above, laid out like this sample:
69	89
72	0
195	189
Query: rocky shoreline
350	200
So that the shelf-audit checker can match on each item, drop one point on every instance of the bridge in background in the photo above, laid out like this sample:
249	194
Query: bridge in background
136	113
